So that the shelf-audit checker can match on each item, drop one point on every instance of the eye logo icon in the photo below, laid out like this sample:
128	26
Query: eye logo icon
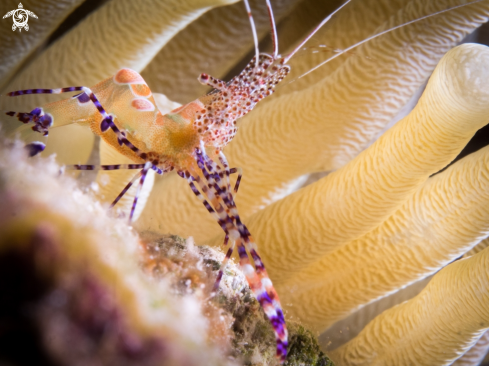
20	17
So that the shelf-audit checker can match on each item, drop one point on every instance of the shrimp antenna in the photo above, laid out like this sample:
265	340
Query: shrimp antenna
274	30
314	31
253	31
385	32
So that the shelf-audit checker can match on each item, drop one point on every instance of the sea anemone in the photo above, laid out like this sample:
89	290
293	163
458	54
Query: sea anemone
377	220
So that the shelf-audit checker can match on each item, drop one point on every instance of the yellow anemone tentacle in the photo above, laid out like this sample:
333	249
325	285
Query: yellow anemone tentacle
475	355
478	248
17	47
446	217
350	202
434	328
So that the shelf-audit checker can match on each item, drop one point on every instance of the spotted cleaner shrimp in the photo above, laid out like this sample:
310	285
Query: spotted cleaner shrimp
189	140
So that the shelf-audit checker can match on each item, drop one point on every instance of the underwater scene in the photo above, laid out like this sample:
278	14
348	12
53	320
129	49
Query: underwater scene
253	182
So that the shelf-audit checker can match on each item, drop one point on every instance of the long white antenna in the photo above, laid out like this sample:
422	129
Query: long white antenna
289	56
384	32
274	30
253	31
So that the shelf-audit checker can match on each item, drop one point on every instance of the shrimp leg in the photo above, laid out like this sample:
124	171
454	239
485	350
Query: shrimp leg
126	188
111	167
44	121
238	180
41	121
103	167
144	173
228	218
228	172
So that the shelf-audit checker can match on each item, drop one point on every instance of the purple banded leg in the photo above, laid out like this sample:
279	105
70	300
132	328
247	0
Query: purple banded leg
104	167
224	263
257	277
112	167
107	121
144	173
240	175
269	296
228	171
222	178
224	163
214	176
231	206
45	91
41	121
219	208
191	180
267	300
209	208
213	190
221	194
226	240
240	231
126	188
222	222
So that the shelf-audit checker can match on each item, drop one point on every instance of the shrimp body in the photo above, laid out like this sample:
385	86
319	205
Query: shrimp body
167	141
163	140
122	111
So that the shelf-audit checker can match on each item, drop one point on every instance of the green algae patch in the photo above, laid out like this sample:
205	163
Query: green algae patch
304	348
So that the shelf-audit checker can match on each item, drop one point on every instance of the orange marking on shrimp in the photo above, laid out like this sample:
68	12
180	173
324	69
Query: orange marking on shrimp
128	76
141	90
142	104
